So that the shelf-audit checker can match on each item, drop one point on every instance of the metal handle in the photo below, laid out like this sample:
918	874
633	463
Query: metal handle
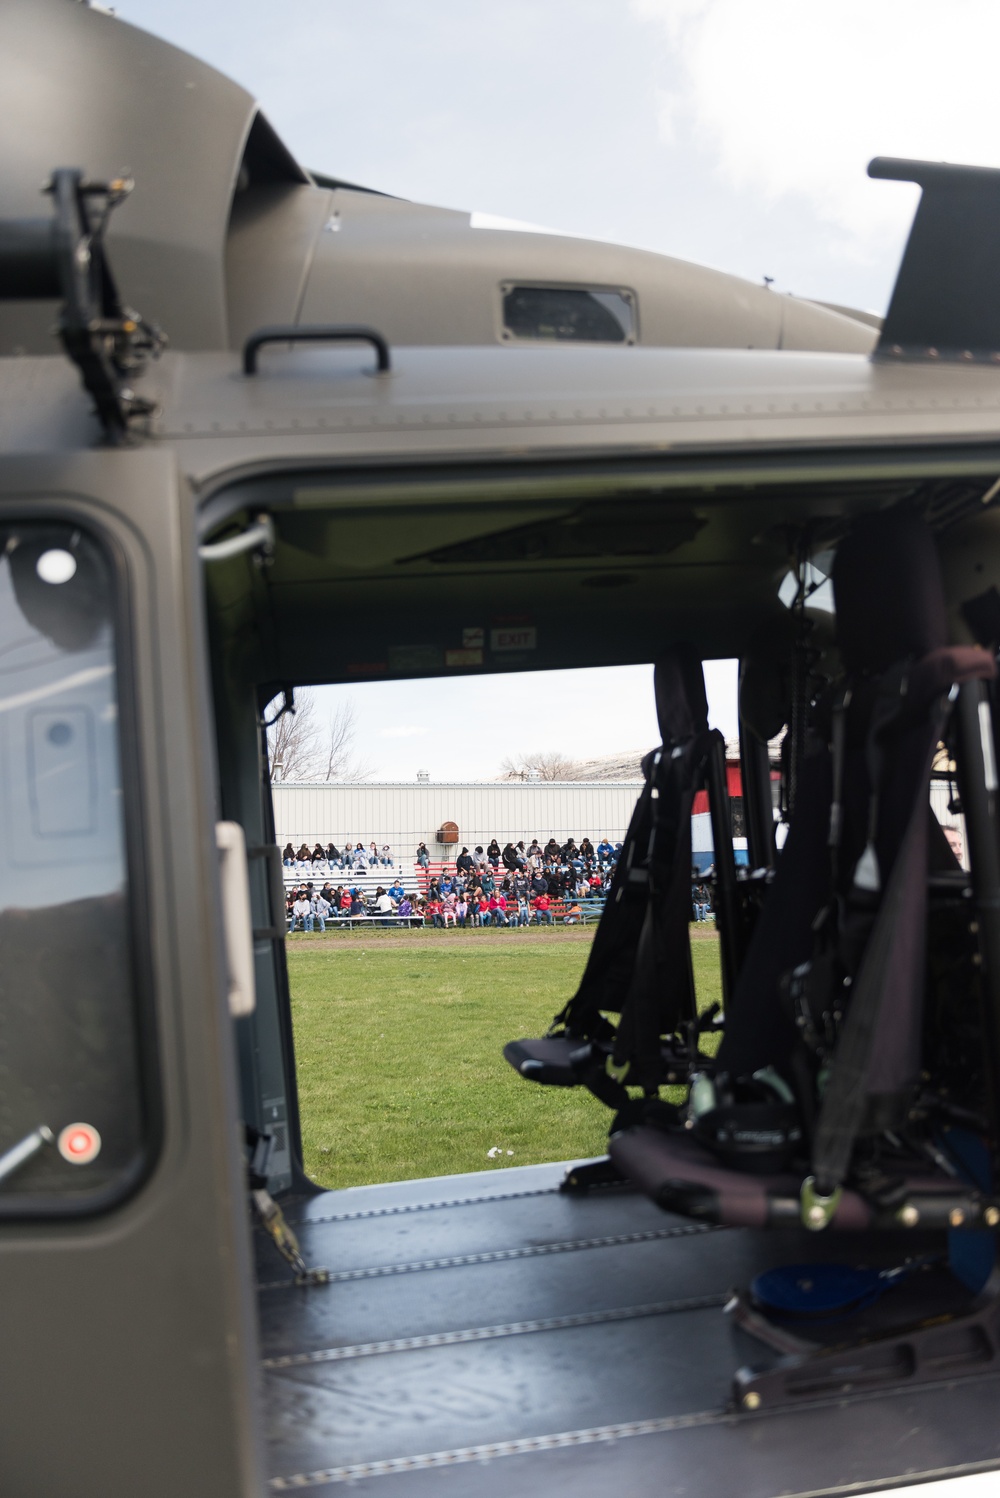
316	333
236	917
258	537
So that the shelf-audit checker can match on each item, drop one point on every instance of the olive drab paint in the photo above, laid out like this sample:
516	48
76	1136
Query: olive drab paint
655	476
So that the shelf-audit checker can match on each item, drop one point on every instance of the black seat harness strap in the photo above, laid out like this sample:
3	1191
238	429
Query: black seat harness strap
845	1102
661	998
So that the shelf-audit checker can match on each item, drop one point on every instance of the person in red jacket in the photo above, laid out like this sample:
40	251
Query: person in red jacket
543	911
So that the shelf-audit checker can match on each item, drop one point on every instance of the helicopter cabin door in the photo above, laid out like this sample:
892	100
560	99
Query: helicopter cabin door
128	1345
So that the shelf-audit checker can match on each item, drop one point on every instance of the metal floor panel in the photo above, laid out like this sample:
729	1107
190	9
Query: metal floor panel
422	1303
415	1195
469	1227
839	1449
532	1323
470	1394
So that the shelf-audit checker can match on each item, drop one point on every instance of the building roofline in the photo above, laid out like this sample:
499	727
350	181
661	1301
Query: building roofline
448	785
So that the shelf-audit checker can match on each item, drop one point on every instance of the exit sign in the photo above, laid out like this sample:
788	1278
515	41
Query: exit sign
514	637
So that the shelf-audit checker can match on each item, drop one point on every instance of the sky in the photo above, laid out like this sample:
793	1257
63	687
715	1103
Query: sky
730	132
461	729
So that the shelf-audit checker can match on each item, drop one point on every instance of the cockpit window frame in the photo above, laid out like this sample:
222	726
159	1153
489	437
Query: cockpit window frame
59	1208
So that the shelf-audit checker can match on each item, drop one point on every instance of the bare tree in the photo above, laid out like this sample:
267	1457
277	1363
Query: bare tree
539	765
341	763
293	741
301	747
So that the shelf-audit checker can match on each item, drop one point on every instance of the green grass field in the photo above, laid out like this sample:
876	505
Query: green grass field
399	1038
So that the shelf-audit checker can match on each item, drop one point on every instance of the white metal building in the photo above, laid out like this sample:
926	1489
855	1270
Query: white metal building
404	814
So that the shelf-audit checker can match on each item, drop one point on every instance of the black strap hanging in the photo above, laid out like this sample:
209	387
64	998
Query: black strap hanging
644	878
845	1102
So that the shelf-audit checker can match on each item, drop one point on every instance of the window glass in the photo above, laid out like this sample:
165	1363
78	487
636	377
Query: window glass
568	314
71	1125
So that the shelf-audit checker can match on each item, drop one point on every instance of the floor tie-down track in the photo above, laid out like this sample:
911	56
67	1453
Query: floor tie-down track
486	1334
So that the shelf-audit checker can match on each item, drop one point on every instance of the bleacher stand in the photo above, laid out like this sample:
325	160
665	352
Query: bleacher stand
417	879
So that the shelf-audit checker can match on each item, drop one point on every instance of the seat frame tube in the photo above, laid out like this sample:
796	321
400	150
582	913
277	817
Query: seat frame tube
978	788
727	911
758	812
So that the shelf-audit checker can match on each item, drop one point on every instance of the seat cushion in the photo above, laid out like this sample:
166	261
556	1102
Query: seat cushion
681	1176
546	1060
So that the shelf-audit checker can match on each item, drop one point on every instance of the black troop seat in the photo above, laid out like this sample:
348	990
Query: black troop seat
824	1106
639	966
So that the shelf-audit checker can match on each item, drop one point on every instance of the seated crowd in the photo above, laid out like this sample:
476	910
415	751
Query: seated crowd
563	859
309	909
323	860
515	886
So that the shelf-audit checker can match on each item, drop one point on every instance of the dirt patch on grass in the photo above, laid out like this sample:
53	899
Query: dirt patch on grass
521	936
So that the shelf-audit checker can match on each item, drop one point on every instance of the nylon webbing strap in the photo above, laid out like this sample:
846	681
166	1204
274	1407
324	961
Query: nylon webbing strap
636	948
607	973
839	747
661	995
844	1103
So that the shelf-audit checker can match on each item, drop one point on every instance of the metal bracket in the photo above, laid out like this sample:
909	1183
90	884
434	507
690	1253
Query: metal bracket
818	1211
581	1179
284	1239
271	853
946	1346
287	706
43	259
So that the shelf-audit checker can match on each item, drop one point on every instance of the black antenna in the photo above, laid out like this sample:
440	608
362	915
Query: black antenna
946	301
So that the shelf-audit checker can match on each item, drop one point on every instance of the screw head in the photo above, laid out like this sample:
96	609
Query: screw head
751	1400
991	1216
909	1216
956	1217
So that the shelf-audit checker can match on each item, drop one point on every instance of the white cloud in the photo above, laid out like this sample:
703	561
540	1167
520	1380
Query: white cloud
403	731
794	99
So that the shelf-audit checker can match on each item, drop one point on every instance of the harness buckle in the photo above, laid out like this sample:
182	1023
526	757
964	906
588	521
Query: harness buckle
817	1210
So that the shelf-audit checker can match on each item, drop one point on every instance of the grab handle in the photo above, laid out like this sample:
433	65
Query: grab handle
236	918
314	333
